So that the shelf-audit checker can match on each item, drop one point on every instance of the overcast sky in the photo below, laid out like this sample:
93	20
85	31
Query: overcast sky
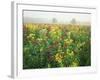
40	16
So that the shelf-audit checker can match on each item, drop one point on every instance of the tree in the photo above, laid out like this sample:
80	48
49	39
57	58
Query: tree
54	20
73	21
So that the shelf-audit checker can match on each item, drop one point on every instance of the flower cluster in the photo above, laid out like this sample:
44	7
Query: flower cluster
56	45
58	57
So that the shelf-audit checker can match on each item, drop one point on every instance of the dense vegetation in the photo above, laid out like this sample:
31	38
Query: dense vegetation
56	45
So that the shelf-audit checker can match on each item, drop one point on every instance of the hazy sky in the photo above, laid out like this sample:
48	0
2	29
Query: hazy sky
61	17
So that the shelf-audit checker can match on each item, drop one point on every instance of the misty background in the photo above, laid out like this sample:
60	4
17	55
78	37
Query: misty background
56	17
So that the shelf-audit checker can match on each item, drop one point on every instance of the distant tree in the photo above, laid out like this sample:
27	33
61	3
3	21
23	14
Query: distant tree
73	21
54	20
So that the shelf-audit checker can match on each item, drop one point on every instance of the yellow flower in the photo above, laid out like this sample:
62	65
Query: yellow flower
70	53
68	41
41	49
31	26
58	57
31	36
80	44
74	64
39	39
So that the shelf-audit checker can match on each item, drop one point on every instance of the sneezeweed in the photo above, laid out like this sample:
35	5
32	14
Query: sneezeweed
74	64
58	57
56	45
68	41
55	33
80	44
31	37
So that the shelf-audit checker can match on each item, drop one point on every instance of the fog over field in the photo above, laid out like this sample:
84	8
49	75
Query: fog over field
56	17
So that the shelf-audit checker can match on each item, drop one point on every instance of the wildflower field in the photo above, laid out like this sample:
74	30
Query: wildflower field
56	45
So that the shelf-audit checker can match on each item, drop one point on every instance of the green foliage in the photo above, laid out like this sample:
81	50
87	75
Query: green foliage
56	45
